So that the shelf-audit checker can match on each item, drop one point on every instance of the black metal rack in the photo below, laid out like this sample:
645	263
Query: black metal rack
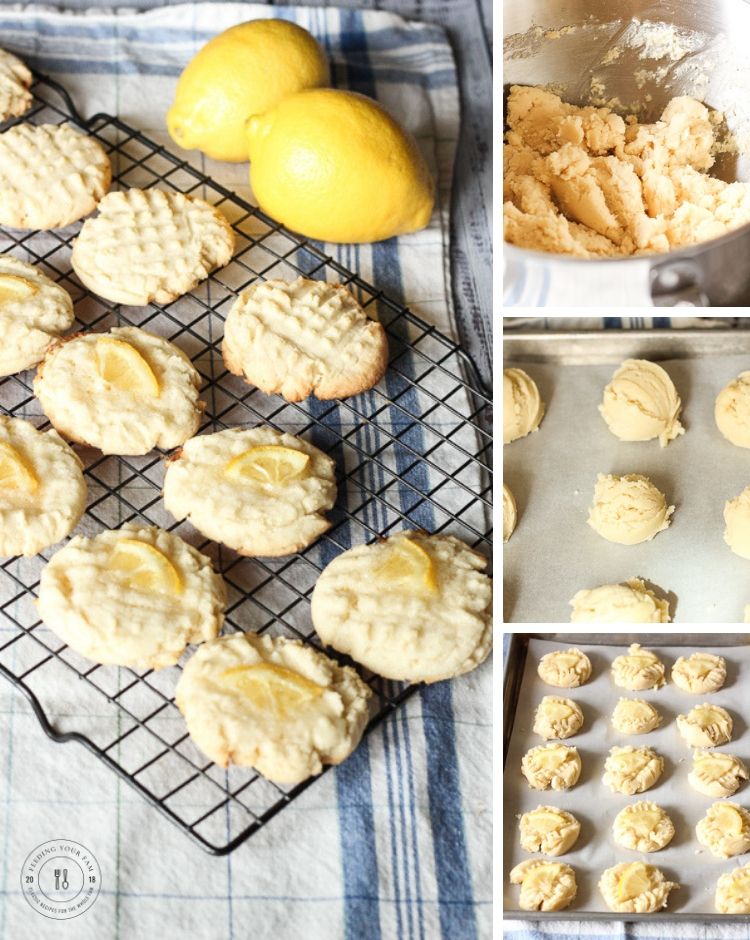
412	453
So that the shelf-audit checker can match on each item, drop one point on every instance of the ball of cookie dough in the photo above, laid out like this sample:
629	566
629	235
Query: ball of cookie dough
737	520
643	827
523	409
733	891
557	717
629	602
725	830
413	606
732	411
628	509
635	888
556	766
509	513
641	403
638	669
272	703
635	716
716	774
545	886
549	830
565	669
705	726
135	596
631	770
699	673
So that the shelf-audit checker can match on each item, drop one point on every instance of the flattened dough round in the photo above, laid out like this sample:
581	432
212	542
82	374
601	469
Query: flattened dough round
733	891
631	770
557	717
716	774
565	669
629	602
545	886
556	766
635	716
700	673
725	829
705	725
15	81
635	888
549	830
643	827
638	669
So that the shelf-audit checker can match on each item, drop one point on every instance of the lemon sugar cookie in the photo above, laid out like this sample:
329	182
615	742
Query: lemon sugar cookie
557	717
272	703
50	176
725	830
565	669
413	606
705	726
42	488
125	391
34	311
134	596
555	766
549	830
257	490
733	891
699	673
635	716
638	669
304	338
643	827
545	886
150	245
632	770
716	774
15	81
635	888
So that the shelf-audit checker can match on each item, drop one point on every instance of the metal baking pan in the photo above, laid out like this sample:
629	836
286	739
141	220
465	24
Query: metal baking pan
515	663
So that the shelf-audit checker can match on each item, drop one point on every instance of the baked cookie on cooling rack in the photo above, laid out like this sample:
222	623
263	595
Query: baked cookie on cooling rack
411	607
15	81
272	703
257	490
42	489
125	391
304	338
134	596
150	245
34	311
50	176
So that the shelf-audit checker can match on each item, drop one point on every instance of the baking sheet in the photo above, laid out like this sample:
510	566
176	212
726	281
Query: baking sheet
684	860
553	553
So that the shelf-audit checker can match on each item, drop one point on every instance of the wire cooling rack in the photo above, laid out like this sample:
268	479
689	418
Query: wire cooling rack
412	453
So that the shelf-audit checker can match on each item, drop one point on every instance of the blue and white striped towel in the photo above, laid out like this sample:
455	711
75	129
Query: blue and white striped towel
394	843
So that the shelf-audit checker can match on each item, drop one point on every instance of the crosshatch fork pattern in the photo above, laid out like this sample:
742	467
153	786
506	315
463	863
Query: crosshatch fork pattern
412	453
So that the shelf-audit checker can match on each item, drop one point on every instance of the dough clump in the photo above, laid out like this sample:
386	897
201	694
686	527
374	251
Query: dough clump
725	830
549	830
523	408
641	403
732	411
557	717
630	602
699	673
635	888
628	509
716	774
638	669
631	770
545	886
737	519
588	183
551	765
635	716
705	726
643	827
733	891
510	513
565	669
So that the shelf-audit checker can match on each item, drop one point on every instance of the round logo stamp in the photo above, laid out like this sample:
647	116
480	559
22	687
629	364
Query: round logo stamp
61	879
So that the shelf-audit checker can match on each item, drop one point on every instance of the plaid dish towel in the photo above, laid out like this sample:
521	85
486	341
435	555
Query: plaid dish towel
394	843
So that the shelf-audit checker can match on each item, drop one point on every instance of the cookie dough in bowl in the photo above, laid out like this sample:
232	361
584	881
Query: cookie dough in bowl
523	408
549	830
725	830
545	886
641	403
565	669
628	509
629	602
635	888
699	673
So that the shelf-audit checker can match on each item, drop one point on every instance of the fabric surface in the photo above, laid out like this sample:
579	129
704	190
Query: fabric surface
394	843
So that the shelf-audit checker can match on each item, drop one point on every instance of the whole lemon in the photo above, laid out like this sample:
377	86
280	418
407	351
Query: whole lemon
244	70
335	166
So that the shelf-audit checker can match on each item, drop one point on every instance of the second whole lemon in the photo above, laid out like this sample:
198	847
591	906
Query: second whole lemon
336	166
243	71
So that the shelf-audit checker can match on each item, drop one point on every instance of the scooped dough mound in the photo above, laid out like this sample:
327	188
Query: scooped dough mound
732	411
523	409
630	602
585	182
641	403
628	509
510	513
737	519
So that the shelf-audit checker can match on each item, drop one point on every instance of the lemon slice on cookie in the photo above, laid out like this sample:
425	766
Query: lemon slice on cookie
267	463
15	472
143	566
271	688
13	288
408	566
122	366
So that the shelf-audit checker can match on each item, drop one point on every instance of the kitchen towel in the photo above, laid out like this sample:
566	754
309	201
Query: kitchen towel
395	842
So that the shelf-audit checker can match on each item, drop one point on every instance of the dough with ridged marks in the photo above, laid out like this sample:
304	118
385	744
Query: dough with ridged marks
545	886
638	669
725	829
557	717
700	673
33	314
635	716
632	770
733	891
549	830
48	499
565	669
86	407
419	611
141	609
15	81
304	338
50	176
252	516
635	888
555	766
272	703
643	827
705	725
716	774
150	245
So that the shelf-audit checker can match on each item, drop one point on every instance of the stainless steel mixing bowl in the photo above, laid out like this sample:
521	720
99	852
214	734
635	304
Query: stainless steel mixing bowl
644	54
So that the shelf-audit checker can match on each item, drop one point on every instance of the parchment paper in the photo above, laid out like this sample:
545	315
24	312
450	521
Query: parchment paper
684	860
553	553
